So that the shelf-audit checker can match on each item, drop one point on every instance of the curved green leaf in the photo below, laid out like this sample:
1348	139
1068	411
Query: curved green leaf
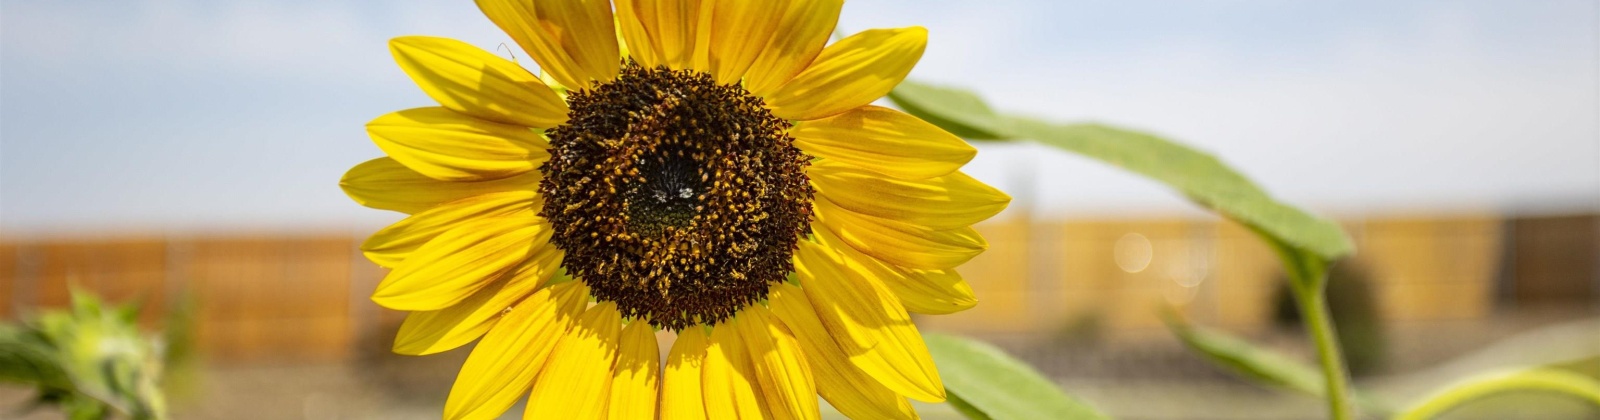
1200	176
1197	175
955	110
1245	359
1258	364
985	382
1542	380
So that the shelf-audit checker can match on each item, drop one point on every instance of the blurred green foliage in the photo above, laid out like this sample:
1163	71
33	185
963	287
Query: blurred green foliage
1559	382
1307	244
1258	364
89	359
985	383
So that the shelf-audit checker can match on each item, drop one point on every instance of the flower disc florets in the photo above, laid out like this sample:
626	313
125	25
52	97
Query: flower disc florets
677	198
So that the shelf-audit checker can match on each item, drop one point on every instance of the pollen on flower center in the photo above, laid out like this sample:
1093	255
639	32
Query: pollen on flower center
677	198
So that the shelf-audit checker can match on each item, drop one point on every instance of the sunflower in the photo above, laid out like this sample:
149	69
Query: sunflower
709	172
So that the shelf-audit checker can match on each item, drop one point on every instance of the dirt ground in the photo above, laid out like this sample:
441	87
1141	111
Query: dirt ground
1147	382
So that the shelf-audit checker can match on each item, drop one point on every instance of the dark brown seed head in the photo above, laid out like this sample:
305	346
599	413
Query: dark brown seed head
675	197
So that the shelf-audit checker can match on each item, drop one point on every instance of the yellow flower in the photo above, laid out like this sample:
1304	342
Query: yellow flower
723	177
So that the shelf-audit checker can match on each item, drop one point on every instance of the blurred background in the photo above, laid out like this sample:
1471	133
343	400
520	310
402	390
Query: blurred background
189	151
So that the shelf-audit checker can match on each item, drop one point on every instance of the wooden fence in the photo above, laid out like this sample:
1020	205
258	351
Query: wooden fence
304	297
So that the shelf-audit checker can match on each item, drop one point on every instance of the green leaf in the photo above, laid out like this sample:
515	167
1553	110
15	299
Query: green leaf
1257	364
958	111
1542	380
984	382
1197	175
26	358
965	408
1245	359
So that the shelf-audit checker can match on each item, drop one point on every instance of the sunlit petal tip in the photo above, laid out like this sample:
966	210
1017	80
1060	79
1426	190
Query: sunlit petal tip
450	146
472	81
445	329
385	184
803	32
924	291
885	141
390	246
867	321
458	263
573	40
901	243
850	73
949	201
928	291
845	386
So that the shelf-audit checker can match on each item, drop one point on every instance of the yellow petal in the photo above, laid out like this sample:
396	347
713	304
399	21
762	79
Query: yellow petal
681	396
431	332
900	243
934	292
637	371
847	388
740	30
504	364
942	202
885	141
700	58
450	146
659	32
634	25
390	246
780	365
458	263
385	184
576	383
852	72
922	291
472	81
574	41
730	382
867	322
801	34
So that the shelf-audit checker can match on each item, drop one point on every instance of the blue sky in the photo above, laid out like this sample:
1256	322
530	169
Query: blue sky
226	114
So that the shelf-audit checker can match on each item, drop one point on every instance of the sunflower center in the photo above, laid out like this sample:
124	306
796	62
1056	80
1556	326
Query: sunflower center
675	197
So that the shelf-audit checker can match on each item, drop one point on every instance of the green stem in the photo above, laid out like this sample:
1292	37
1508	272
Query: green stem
1483	385
1308	278
1319	323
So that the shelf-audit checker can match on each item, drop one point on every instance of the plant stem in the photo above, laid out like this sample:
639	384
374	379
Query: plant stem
1319	323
